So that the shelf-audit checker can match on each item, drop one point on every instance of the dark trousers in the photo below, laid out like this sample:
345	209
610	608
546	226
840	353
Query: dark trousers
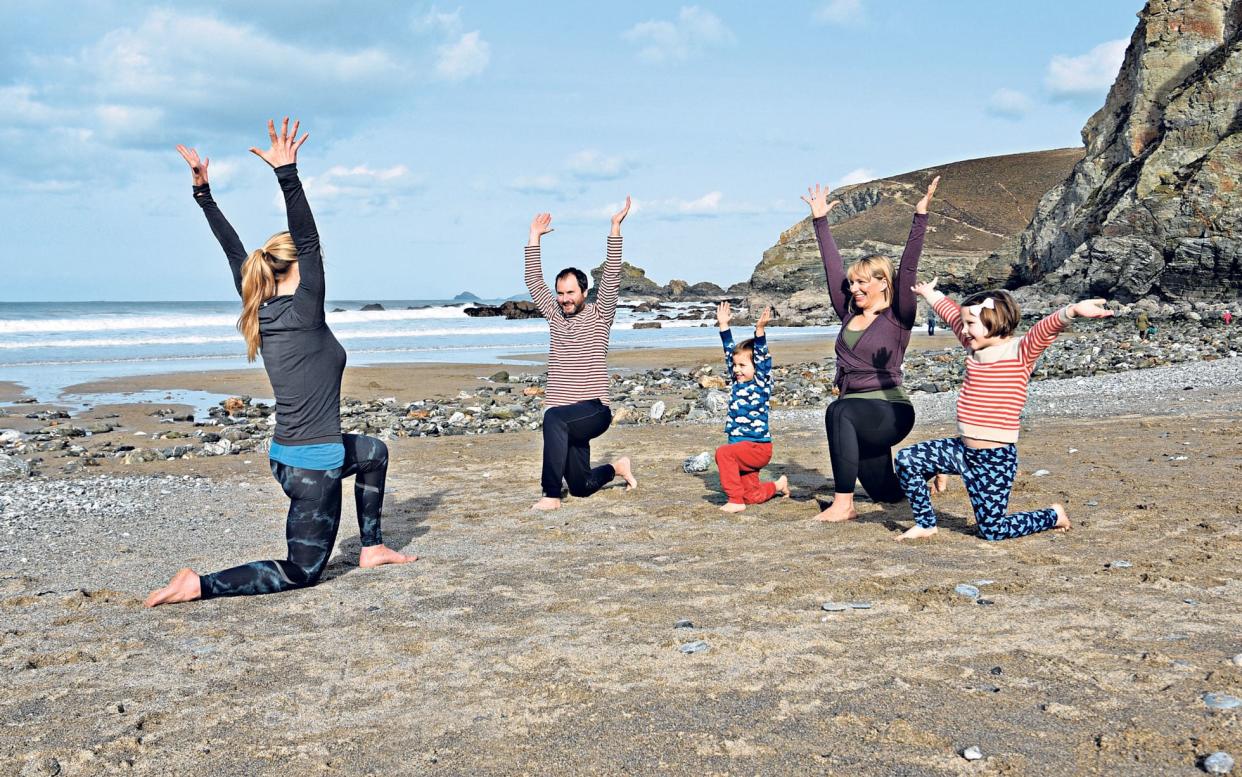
861	436
314	516
567	434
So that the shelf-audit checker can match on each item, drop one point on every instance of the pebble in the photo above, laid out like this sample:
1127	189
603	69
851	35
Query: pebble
963	589
972	753
834	607
1039	473
698	646
697	463
1237	660
1120	564
1219	762
859	605
1221	701
1092	503
657	410
984	582
984	602
684	623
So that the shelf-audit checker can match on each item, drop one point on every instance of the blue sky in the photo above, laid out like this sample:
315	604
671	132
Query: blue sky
437	131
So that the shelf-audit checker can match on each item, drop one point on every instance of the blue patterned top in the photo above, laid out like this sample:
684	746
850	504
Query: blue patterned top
748	402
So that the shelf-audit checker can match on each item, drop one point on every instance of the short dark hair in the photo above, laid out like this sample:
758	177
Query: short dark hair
747	346
578	274
1001	319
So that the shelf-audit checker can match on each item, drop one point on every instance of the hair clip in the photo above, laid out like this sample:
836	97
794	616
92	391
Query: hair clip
975	310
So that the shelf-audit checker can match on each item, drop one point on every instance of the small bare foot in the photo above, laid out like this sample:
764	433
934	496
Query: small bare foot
184	587
917	532
841	509
547	503
379	555
1063	522
732	507
626	471
782	487
938	484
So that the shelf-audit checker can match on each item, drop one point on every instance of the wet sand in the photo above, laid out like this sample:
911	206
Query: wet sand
526	643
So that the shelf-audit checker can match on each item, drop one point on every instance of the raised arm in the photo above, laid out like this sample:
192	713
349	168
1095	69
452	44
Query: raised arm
283	157
944	307
723	313
226	236
540	225
763	358
610	281
1042	335
905	304
834	266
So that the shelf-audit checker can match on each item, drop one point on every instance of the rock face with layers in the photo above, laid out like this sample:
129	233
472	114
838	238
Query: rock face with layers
980	208
1154	207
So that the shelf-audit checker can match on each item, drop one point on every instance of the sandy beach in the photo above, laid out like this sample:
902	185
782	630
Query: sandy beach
524	643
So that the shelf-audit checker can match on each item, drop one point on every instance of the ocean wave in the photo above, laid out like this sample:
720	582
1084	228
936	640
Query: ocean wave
130	322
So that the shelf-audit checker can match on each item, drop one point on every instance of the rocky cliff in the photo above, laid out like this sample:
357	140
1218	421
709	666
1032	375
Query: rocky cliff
980	208
1154	208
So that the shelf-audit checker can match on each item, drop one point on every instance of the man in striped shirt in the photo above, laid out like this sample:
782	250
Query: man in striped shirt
577	393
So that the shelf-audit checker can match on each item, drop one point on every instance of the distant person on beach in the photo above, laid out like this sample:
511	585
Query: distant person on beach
1143	325
749	367
577	390
993	393
931	324
282	291
878	312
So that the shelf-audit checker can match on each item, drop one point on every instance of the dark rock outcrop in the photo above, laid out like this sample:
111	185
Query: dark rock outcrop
509	309
1154	207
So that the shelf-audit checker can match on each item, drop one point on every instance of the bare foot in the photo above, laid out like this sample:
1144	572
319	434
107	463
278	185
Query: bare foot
624	470
732	507
1063	523
184	587
379	555
938	484
782	487
841	509
547	503
917	532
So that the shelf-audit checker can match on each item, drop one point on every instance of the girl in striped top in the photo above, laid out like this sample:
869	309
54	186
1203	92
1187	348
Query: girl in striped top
998	369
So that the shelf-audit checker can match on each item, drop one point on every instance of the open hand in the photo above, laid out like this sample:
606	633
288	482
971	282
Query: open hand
723	314
284	150
540	225
764	318
817	198
1090	308
619	216
925	288
198	168
922	205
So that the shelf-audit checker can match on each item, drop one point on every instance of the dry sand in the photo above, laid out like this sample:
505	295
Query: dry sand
526	643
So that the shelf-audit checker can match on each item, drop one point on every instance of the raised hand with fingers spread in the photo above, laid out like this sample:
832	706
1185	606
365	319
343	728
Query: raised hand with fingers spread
619	216
764	318
284	149
724	312
198	168
540	225
921	207
817	198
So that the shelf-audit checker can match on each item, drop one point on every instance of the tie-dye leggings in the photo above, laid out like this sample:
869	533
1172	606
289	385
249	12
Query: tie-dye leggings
988	474
314	515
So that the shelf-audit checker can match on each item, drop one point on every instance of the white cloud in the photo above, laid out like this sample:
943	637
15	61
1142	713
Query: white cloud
713	204
360	186
435	19
1086	75
536	184
466	57
1009	104
857	175
591	165
690	34
840	12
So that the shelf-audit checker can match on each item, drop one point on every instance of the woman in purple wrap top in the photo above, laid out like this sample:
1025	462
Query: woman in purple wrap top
877	308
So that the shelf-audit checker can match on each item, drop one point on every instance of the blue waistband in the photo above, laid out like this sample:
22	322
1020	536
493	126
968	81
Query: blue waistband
329	455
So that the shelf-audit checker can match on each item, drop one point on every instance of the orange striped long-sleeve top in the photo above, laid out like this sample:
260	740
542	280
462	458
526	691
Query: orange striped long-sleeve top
994	391
578	358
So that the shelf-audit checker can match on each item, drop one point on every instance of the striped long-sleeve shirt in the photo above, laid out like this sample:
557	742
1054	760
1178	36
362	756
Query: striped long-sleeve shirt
578	358
994	391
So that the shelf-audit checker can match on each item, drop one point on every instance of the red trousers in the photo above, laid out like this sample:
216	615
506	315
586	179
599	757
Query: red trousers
739	464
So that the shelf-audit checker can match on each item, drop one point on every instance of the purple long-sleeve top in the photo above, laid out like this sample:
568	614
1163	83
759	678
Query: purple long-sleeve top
875	360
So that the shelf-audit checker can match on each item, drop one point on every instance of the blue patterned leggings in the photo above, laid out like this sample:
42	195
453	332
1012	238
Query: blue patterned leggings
988	474
314	516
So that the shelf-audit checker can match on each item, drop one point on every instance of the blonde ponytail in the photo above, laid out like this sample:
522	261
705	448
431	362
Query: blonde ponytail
260	272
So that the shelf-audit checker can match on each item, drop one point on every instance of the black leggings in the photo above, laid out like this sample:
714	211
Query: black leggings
314	515
861	435
567	434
